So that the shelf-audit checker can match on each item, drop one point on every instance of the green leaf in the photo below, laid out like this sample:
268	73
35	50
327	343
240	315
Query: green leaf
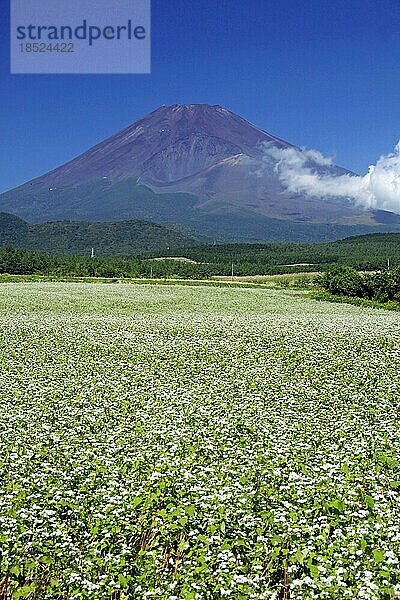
369	501
276	540
190	510
363	544
338	504
25	591
379	556
314	571
183	545
299	557
384	574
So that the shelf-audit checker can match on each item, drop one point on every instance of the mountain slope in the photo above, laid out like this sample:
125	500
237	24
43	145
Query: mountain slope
197	165
121	238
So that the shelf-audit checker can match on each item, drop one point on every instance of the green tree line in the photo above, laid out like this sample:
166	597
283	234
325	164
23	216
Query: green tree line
366	252
22	262
382	286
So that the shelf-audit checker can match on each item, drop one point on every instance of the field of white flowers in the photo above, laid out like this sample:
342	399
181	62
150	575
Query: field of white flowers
196	443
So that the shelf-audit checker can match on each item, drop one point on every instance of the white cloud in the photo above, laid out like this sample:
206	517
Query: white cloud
298	172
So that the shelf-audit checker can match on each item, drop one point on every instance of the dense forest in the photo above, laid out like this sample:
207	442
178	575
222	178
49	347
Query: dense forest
120	238
22	262
364	253
144	240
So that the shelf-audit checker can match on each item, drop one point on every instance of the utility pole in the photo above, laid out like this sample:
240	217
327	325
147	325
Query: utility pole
151	271
232	273
92	255
388	263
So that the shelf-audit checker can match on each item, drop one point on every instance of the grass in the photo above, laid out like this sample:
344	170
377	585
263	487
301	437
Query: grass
295	281
285	280
327	297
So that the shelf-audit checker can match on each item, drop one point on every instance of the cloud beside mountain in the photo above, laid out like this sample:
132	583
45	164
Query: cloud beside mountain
379	189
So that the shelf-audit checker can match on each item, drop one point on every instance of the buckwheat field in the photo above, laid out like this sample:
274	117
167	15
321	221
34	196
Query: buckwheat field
179	442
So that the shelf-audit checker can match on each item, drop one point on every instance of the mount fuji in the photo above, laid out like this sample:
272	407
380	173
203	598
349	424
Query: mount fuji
195	167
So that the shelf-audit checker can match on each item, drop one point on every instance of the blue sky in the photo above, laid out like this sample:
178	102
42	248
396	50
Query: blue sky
319	73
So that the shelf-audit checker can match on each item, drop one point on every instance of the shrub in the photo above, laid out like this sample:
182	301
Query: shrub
342	280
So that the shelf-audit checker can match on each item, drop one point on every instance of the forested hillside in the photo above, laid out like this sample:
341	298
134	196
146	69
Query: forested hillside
120	238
